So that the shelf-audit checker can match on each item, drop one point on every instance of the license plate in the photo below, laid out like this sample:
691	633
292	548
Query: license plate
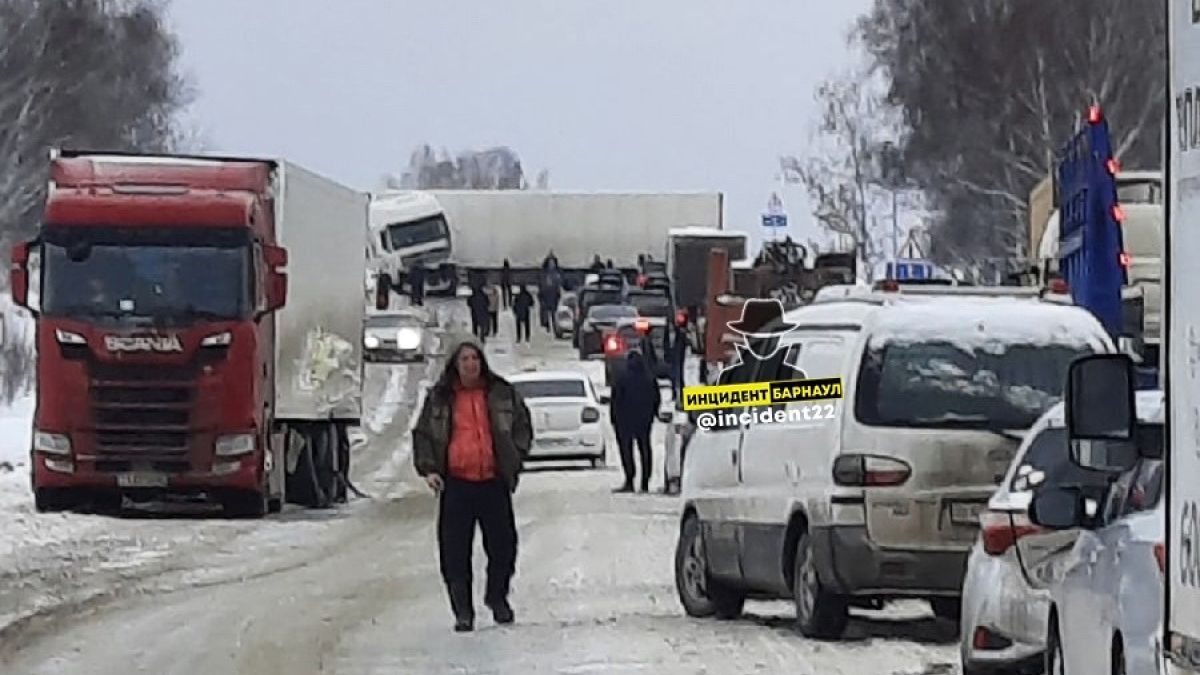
965	513
141	480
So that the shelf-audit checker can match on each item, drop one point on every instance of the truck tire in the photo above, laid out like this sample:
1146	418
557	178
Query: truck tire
245	504
314	481
341	493
50	500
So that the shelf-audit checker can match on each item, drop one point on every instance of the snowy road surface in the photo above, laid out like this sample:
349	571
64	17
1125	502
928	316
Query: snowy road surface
357	590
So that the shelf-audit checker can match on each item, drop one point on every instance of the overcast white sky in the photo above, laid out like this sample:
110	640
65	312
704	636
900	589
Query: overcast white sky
605	94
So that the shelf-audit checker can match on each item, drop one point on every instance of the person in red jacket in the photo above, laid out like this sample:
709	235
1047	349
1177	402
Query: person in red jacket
469	444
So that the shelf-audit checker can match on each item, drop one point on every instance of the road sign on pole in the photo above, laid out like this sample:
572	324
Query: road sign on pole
774	220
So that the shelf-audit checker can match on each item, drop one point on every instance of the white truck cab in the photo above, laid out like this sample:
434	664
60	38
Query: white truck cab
408	228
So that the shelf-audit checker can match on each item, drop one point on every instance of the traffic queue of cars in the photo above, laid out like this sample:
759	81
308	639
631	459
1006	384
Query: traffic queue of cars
934	477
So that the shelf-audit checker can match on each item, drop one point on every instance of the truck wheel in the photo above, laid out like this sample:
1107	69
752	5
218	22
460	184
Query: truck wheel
245	504
819	613
49	500
341	482
312	484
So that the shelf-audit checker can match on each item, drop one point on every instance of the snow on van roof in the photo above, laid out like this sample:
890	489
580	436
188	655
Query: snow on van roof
975	322
698	231
1150	409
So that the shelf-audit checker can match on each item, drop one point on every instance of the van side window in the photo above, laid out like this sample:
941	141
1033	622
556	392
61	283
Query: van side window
823	357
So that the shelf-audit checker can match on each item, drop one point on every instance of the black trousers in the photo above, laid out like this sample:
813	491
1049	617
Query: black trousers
506	295
523	328
625	442
495	317
480	328
463	504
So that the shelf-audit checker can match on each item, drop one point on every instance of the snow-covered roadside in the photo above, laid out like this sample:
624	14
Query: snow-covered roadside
16	424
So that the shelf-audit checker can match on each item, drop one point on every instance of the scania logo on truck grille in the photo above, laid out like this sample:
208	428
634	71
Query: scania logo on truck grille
145	343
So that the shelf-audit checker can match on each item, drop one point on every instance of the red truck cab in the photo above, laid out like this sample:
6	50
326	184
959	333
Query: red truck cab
149	283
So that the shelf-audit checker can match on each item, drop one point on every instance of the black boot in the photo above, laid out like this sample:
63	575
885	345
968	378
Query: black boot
497	601
463	606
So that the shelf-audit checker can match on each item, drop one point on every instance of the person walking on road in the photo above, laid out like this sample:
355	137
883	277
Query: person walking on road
522	307
506	283
493	297
470	444
634	405
480	319
416	285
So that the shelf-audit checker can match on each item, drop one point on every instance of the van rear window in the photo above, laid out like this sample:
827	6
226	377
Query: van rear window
943	385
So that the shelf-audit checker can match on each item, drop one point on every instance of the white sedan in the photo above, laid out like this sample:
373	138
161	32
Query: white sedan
567	416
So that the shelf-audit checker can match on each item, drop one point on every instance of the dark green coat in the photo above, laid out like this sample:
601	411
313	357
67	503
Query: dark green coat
512	430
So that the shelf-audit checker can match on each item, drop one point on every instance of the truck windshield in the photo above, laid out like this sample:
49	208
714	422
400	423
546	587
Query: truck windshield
417	232
164	274
943	385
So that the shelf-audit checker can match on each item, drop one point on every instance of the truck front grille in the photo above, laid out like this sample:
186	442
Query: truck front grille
142	411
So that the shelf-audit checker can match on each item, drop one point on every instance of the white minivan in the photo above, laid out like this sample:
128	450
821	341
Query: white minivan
881	499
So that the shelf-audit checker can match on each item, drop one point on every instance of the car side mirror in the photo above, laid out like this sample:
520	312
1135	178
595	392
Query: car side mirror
1101	412
19	274
605	399
276	257
1059	508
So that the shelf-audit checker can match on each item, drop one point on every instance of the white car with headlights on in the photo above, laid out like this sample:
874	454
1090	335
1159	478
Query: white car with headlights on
394	337
567	416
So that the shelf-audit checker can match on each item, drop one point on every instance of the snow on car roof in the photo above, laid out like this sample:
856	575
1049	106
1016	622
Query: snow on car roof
548	375
975	322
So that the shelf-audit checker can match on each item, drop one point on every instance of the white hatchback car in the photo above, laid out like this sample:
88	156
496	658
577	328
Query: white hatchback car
1003	618
567	416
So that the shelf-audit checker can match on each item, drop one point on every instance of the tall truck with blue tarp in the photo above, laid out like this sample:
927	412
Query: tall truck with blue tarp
1093	261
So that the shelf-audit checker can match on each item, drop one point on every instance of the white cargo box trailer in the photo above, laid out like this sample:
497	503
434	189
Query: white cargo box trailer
489	226
319	330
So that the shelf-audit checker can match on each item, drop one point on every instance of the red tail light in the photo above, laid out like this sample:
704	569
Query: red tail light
1002	529
1059	286
869	471
890	285
1160	556
642	326
612	344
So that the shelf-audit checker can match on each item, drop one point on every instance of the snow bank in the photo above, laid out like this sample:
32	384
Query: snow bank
974	323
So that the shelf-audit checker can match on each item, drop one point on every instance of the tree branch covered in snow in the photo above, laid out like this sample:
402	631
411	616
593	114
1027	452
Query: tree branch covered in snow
80	74
990	90
491	169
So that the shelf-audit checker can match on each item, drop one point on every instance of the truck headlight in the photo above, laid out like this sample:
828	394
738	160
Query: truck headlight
51	444
589	415
234	444
68	338
371	342
408	338
218	340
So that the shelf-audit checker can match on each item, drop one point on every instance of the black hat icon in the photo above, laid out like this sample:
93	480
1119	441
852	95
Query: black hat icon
757	314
